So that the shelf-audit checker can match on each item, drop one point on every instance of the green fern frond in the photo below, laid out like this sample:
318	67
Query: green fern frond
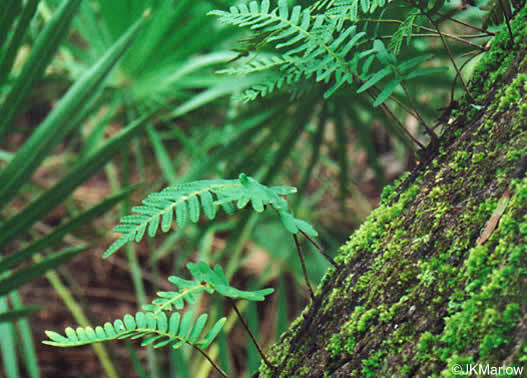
321	4
352	8
403	71
207	280
404	30
156	329
186	201
294	225
257	64
308	40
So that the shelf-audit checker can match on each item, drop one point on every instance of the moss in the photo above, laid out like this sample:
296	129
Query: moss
371	365
426	343
496	62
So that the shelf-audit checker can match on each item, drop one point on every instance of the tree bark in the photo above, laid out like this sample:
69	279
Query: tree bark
436	277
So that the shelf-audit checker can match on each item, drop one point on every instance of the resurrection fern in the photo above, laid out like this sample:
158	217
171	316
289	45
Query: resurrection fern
308	40
400	71
207	280
347	8
157	329
327	46
186	200
403	31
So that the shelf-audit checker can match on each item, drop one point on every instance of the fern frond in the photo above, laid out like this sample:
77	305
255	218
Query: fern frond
257	64
169	300
403	71
217	281
352	8
207	280
308	40
186	201
294	225
156	329
404	30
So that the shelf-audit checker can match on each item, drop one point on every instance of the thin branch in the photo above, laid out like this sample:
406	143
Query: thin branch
320	250
267	362
299	250
216	366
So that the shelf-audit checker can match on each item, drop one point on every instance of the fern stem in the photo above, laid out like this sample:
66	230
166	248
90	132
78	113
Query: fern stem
429	131
398	102
449	53
214	364
304	270
218	369
465	24
389	112
320	249
507	21
434	33
260	352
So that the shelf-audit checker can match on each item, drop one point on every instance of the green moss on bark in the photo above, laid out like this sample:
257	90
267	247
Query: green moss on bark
427	282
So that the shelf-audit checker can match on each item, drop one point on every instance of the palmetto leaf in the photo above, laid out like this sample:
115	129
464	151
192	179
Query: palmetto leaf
156	329
185	201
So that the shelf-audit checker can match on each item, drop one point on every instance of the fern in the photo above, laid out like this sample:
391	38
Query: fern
319	45
186	201
207	280
404	30
352	8
401	72
157	329
311	48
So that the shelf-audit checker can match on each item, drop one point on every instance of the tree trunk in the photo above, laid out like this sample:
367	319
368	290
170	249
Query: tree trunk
437	275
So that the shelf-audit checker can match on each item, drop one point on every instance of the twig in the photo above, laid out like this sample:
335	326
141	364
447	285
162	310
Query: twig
267	362
299	250
320	250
